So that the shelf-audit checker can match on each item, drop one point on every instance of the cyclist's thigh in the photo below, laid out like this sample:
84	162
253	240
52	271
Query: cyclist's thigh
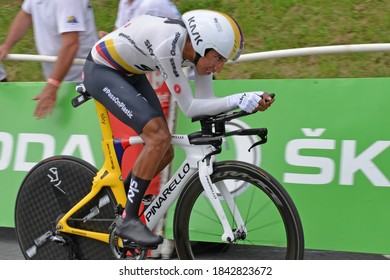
143	86
118	94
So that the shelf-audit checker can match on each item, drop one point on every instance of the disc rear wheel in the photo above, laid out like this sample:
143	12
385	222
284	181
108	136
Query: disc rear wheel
48	191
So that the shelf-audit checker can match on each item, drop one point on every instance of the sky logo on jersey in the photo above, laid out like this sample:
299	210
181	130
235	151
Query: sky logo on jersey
72	19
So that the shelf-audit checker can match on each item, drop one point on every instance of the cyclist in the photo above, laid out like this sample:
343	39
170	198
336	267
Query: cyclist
114	74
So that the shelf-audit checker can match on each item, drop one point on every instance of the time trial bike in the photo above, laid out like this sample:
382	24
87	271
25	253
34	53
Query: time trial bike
66	208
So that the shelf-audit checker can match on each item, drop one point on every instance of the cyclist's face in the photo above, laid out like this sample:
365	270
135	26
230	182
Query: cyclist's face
212	62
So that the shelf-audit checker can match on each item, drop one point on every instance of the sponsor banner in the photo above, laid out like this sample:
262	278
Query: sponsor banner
24	140
328	144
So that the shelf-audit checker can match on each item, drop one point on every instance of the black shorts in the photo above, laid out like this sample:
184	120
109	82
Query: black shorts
129	98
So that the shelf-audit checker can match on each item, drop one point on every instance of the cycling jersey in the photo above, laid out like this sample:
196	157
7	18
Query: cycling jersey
148	43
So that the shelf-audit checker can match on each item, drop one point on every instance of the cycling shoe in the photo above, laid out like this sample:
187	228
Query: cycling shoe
135	233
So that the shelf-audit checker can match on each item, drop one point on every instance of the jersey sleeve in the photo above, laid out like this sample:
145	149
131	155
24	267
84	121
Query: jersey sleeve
26	6
202	102
70	16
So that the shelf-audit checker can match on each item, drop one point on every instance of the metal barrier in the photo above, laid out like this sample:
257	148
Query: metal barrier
338	49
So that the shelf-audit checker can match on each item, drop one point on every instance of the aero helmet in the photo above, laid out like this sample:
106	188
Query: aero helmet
214	30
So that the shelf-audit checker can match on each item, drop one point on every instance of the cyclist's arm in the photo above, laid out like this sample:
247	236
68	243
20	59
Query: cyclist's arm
247	101
204	102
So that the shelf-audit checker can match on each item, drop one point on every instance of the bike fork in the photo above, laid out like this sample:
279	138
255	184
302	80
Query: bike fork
211	190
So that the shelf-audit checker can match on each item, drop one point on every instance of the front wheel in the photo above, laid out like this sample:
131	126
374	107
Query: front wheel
273	226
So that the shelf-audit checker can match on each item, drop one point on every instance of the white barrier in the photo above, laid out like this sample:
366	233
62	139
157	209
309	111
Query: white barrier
315	51
39	58
380	47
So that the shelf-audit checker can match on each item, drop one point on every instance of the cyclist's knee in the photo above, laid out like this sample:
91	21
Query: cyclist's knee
156	133
161	136
170	154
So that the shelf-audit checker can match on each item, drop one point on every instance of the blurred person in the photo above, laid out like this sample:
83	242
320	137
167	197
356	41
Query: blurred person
128	9
3	74
65	29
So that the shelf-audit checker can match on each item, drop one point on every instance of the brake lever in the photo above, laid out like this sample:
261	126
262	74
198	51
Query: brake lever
262	133
262	141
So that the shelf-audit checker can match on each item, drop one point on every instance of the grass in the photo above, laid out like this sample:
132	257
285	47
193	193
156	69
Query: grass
267	26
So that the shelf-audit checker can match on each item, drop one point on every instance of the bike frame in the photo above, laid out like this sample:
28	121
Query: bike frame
198	159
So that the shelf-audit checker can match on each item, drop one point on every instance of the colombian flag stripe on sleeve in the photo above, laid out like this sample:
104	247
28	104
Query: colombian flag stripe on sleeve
103	52
110	52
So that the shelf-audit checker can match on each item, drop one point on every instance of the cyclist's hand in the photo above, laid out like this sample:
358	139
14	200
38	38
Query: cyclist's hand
247	101
265	102
46	101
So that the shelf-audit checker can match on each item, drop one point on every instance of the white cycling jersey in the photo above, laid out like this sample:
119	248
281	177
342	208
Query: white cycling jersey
148	43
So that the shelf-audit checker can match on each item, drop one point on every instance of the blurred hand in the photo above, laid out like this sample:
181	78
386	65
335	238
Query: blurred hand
101	33
3	52
46	101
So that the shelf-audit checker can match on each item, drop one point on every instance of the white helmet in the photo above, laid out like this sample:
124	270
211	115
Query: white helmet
214	30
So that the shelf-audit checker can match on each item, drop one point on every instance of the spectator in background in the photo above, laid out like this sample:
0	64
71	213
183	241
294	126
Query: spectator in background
3	74
65	29
128	9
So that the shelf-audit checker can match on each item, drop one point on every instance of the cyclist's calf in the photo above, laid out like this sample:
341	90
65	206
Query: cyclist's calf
156	152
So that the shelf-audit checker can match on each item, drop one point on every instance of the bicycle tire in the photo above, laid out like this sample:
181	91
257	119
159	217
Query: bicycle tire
274	228
44	198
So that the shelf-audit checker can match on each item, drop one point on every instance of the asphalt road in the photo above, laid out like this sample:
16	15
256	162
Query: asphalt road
9	250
